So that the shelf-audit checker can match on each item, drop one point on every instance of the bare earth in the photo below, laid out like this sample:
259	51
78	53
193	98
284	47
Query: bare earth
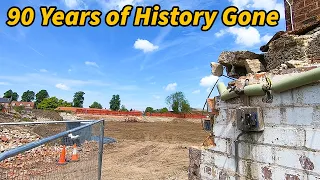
153	150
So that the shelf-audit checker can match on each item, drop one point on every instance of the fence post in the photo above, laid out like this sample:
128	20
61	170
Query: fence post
100	149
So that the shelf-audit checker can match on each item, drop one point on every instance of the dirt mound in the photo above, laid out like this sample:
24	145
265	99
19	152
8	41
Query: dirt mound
47	115
5	118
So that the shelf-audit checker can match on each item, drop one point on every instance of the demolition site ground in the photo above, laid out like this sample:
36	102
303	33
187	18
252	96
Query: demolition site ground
149	149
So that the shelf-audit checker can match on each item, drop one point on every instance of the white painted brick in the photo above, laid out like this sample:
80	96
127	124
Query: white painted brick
307	95
232	115
207	157
252	169
224	162
260	153
290	158
316	115
225	131
206	172
312	177
222	145
233	103
271	115
284	136
284	173
313	138
217	172
287	98
278	100
299	115
222	117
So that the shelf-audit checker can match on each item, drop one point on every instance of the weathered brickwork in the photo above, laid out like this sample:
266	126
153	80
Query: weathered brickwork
304	12
289	147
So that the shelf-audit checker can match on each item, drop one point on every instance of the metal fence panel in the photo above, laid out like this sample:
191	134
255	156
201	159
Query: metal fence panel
51	150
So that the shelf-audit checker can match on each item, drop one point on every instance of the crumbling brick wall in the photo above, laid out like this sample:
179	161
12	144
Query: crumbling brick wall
304	12
289	147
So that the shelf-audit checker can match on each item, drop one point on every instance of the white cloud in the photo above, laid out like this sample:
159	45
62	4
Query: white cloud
75	4
69	70
62	86
156	97
171	87
266	38
246	36
220	33
145	45
153	83
89	63
208	81
4	83
196	92
43	70
260	4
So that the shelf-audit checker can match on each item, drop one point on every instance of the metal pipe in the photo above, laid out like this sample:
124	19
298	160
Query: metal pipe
100	149
225	93
291	15
254	90
42	122
236	158
286	83
26	147
297	80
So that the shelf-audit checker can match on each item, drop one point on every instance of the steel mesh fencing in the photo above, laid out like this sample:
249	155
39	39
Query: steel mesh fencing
51	150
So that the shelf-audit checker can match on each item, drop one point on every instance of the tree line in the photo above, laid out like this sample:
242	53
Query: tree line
177	101
42	100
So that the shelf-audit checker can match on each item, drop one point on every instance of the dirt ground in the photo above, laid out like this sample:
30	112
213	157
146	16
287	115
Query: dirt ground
153	150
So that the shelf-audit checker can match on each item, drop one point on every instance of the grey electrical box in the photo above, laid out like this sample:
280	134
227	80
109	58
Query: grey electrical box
250	119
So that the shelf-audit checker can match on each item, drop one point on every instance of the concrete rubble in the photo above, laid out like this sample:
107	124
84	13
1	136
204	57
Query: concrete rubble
235	62
35	162
286	50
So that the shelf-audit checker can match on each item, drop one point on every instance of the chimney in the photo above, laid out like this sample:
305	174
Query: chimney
304	12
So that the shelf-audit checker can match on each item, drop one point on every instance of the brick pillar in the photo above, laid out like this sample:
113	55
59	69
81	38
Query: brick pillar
305	12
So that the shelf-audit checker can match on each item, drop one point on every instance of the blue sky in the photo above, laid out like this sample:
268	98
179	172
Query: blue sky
142	64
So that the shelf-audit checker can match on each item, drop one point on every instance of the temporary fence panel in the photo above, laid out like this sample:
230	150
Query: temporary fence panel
51	150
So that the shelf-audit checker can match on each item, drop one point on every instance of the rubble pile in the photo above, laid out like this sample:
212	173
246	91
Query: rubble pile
286	50
12	138
239	63
42	160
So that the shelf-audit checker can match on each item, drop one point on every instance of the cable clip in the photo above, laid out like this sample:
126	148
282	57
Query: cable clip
268	98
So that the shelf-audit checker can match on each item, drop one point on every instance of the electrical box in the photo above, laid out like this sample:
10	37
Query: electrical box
250	119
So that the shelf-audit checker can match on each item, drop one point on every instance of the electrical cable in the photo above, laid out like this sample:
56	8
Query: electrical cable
207	100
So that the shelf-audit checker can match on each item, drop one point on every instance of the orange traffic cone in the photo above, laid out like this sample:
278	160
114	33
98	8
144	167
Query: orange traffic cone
75	155
62	159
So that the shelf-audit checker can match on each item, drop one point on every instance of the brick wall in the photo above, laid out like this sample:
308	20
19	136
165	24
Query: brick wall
289	147
304	12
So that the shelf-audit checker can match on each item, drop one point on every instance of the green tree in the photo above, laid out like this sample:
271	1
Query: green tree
11	94
78	99
52	103
41	95
164	110
115	102
123	108
149	110
178	102
27	96
96	105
